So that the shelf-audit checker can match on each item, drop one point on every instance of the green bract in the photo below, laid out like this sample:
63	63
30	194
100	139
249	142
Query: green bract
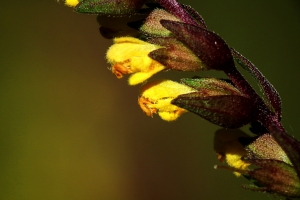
109	7
218	102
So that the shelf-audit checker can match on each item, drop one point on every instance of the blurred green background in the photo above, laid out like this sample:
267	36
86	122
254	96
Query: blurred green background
70	130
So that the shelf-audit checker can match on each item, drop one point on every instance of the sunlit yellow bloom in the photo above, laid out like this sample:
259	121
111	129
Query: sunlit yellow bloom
156	97
129	55
71	3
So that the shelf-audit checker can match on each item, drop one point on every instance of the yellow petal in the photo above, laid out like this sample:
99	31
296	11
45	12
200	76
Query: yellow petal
234	160
124	48
140	77
71	3
156	97
229	149
129	55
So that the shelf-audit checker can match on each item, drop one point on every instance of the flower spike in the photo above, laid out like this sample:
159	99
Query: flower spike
150	37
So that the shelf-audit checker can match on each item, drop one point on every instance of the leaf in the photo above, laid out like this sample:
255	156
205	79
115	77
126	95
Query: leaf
208	46
218	86
229	111
175	55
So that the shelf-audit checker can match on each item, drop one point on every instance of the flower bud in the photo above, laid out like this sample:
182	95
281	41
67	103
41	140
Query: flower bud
271	170
274	177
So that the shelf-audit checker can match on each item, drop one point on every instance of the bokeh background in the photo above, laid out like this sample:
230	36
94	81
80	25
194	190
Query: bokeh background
70	130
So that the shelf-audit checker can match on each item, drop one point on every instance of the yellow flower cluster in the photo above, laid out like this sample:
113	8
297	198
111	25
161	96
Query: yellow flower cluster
129	55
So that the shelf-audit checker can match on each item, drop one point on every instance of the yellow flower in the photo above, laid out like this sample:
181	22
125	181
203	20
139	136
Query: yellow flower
156	97
235	161
229	149
71	3
129	55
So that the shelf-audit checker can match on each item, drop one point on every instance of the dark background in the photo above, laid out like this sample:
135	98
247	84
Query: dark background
70	130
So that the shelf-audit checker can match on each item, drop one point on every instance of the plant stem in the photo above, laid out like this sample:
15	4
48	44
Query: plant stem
174	7
271	122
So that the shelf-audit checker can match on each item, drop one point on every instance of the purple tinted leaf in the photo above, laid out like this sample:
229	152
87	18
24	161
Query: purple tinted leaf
208	46
229	111
175	63
268	89
175	55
